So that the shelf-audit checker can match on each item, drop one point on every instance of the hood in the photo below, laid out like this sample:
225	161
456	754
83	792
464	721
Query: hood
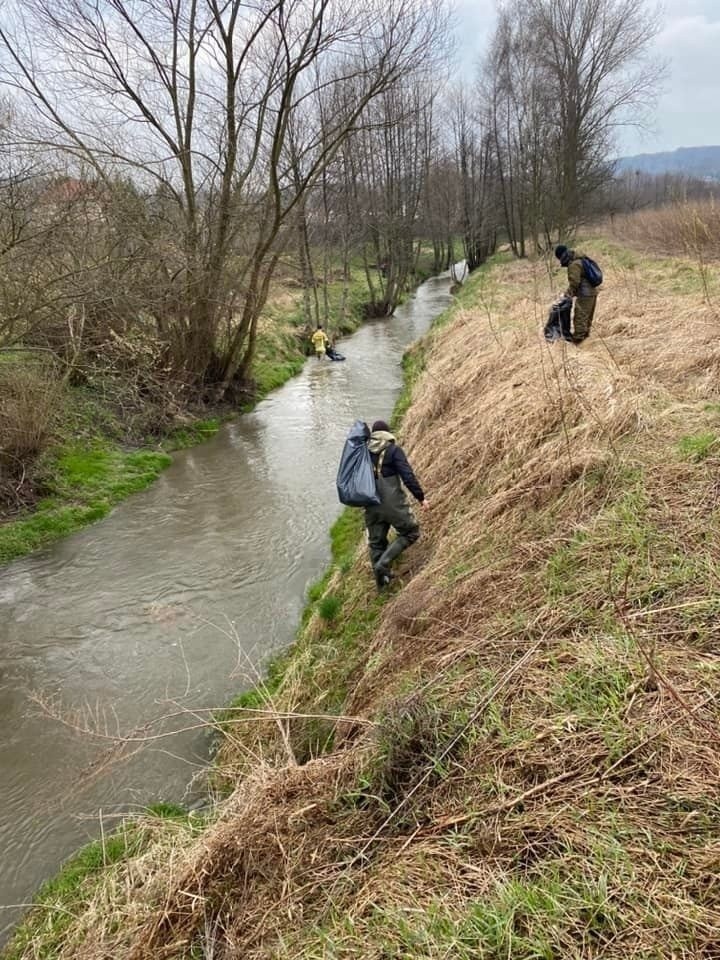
380	440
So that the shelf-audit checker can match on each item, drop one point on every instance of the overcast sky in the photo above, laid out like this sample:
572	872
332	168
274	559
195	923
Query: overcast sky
688	112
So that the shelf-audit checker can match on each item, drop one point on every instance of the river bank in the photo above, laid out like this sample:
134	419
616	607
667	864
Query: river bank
512	753
171	605
107	442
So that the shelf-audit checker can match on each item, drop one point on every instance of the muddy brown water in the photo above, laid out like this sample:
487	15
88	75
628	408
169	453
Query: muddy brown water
172	603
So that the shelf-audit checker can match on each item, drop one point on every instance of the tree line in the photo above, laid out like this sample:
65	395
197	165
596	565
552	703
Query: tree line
160	161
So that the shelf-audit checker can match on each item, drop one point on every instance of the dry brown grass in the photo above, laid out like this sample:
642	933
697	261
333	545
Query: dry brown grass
543	780
532	437
678	229
29	395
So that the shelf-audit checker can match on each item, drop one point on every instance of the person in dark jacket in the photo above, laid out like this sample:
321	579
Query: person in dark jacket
579	288
392	470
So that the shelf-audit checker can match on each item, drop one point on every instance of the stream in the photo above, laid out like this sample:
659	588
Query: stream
173	603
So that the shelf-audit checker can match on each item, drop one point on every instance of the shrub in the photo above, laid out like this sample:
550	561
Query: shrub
29	395
680	229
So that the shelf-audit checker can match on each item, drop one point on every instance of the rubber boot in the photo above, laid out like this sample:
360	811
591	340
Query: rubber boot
383	574
383	577
399	544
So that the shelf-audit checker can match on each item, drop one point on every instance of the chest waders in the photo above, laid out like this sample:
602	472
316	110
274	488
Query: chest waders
583	315
393	511
585	298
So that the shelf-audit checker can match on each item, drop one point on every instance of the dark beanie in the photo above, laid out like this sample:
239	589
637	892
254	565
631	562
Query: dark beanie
560	251
380	425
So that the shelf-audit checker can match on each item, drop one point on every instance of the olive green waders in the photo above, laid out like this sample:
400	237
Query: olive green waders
393	511
583	316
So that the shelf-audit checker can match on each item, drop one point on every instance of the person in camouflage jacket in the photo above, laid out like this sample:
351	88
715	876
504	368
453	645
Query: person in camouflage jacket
579	288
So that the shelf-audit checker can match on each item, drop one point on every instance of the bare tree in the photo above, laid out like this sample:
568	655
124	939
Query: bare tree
561	76
477	167
593	54
441	207
388	166
198	98
523	127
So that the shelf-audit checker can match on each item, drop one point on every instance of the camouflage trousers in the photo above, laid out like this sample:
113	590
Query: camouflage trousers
583	316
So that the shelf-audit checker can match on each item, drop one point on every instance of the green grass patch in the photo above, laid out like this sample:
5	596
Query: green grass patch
269	375
190	435
67	893
525	918
345	534
167	811
329	607
697	447
413	364
562	566
315	593
630	551
328	660
257	697
595	690
82	485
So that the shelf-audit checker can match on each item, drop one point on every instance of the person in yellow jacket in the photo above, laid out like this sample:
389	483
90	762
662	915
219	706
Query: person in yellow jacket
320	341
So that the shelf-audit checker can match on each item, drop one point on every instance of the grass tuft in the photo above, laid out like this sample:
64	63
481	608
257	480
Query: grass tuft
698	447
329	607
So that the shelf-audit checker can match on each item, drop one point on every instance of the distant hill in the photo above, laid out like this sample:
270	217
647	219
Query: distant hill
694	161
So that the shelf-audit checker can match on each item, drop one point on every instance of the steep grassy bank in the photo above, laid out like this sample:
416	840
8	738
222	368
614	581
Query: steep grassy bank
107	438
514	753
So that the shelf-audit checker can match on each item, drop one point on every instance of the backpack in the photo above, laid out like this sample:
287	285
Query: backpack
356	477
593	273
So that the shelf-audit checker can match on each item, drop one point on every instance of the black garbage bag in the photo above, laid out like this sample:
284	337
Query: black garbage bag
558	321
356	477
333	354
